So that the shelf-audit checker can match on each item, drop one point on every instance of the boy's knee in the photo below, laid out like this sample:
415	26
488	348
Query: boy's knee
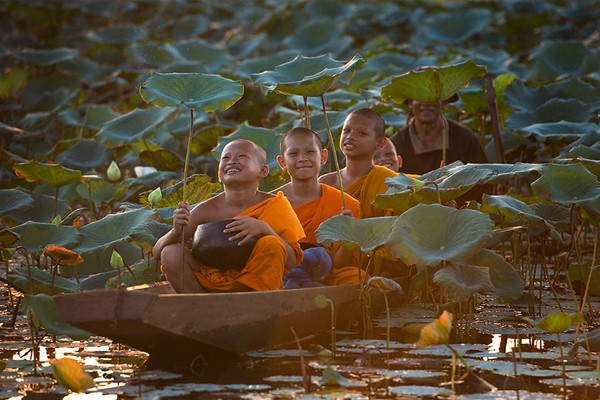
171	258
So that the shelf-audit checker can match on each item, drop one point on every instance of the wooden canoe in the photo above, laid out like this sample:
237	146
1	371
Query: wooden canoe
163	323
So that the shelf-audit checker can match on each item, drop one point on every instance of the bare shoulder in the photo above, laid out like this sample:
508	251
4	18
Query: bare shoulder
330	179
261	196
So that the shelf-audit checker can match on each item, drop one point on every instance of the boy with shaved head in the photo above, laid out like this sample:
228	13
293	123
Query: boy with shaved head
256	214
362	135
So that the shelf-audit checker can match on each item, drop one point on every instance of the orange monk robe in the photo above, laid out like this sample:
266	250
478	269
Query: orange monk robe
266	266
313	213
368	187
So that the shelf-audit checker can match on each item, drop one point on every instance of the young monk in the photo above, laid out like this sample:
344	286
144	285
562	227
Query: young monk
388	157
269	217
362	135
302	155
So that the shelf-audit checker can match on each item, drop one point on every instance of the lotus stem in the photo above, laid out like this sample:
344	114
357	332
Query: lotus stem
185	168
333	153
333	332
306	113
389	321
457	354
589	277
305	377
562	364
55	203
444	135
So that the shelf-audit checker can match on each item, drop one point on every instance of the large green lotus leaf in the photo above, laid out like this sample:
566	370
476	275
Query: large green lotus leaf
189	26
154	54
430	233
566	184
51	174
155	179
458	26
118	35
133	126
432	85
34	280
501	173
250	66
554	214
146	235
581	151
266	138
198	188
34	236
90	116
48	82
45	58
194	90
364	235
162	159
557	130
41	210
207	139
85	154
581	273
475	102
319	36
307	76
512	209
98	259
42	310
210	57
89	70
390	63
508	285
49	103
12	199
463	281
112	230
554	110
563	58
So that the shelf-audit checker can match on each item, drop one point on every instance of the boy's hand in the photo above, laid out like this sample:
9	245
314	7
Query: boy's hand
347	212
181	217
247	228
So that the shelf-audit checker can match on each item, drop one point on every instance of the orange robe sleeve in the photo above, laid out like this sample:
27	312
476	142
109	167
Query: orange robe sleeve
265	267
368	187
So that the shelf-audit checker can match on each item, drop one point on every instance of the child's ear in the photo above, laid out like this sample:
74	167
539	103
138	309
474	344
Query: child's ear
264	171
399	161
281	161
324	154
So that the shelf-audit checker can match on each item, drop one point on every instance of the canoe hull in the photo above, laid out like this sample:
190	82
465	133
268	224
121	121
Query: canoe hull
155	320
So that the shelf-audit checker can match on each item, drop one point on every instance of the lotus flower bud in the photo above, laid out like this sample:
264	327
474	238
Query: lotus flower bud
113	173
116	261
155	197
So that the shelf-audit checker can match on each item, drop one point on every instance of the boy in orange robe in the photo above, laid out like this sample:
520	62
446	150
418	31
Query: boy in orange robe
256	214
362	135
302	155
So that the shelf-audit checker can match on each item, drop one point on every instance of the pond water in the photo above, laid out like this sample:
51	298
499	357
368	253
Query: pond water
493	343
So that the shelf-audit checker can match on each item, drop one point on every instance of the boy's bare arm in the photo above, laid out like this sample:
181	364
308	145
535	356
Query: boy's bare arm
246	228
330	179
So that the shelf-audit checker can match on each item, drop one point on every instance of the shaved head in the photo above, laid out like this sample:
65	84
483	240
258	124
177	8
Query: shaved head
261	155
299	131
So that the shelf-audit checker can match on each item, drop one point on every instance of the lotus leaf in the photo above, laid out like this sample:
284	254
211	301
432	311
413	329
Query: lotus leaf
458	26
364	235
162	159
557	322
153	53
432	85
194	90
133	126
35	281
52	174
42	310
70	374
525	97
430	233
559	58
557	130
318	36
12	199
507	282
554	110
12	82
90	116
307	76
567	184
118	35
42	209
461	282
45	58
34	236
212	58
85	154
251	66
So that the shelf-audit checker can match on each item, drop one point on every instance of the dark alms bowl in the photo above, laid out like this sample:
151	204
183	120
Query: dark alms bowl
213	248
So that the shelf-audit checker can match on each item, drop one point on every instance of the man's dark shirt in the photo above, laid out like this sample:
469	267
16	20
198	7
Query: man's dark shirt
463	146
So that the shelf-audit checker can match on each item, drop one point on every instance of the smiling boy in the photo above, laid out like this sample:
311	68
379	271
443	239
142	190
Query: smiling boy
362	135
256	214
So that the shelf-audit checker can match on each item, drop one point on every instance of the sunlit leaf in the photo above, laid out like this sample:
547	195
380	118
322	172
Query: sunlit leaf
332	378
557	322
429	234
436	332
42	310
52	174
364	235
62	256
70	374
195	91
307	76
199	188
432	85
384	285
